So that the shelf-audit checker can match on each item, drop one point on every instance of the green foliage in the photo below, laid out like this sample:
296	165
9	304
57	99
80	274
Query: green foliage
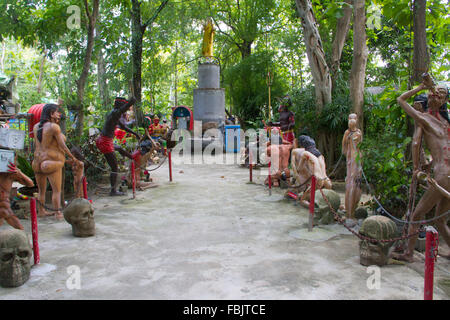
25	166
248	87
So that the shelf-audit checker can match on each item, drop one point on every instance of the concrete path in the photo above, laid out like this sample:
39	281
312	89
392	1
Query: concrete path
210	235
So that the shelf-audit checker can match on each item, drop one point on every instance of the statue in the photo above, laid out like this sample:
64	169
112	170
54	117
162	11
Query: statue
80	214
6	181
49	158
15	254
435	130
279	156
208	38
352	137
158	130
380	228
287	121
105	141
307	161
140	158
323	214
77	171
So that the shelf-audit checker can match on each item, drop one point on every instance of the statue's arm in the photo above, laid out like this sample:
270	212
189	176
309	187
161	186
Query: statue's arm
60	140
344	142
402	101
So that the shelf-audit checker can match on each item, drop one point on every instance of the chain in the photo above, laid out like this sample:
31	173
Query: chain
360	236
336	166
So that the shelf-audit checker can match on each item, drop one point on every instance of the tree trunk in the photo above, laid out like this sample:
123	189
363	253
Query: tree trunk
421	58
101	79
316	56
246	49
342	28
41	72
358	72
81	82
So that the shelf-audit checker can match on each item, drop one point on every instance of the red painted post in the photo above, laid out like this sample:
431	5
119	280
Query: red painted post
250	164
270	181
85	194
311	202
431	250
34	229
170	165
133	178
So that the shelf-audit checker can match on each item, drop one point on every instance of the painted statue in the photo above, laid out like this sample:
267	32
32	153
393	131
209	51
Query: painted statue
436	131
287	121
140	158
307	161
279	154
49	158
6	181
352	137
208	39
105	141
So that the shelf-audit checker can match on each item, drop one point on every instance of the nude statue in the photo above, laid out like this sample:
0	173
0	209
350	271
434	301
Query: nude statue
435	130
77	171
6	181
140	158
279	156
352	137
49	158
307	161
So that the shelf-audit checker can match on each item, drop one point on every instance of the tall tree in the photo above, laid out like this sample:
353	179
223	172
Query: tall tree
138	30
421	58
358	72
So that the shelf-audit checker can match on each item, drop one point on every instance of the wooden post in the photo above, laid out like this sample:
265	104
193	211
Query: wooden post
430	258
34	228
311	202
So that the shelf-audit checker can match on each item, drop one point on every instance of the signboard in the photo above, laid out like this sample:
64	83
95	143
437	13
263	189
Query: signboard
6	156
11	138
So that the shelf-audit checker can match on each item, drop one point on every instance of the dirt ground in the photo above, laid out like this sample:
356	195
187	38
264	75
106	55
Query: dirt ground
210	234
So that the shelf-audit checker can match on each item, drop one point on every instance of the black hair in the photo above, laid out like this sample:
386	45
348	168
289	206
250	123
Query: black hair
145	146
423	99
120	101
309	144
45	117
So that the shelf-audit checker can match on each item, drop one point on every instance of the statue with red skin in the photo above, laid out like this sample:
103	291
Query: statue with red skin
6	181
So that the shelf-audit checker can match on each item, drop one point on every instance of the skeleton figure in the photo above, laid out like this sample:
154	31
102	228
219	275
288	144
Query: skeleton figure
322	212
380	228
15	254
80	214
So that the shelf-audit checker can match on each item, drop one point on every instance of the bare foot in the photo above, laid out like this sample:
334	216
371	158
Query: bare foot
402	257
59	216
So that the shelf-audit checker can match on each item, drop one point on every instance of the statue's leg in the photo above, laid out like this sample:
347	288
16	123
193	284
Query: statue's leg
55	180
41	181
112	162
441	223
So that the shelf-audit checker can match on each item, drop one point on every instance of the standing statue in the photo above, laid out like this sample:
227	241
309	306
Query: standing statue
352	137
435	130
6	181
49	158
77	171
208	38
287	121
105	141
279	157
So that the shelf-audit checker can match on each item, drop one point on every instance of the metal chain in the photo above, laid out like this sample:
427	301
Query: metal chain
360	236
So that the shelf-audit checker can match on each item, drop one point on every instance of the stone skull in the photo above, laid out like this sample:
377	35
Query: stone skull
80	214
15	254
322	212
380	228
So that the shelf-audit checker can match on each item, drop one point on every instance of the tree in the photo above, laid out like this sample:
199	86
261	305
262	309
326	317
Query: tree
421	58
358	72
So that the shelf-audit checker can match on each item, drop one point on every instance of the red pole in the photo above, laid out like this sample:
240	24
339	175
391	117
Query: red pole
133	178
170	165
85	194
311	202
34	229
251	165
270	181
430	258
292	195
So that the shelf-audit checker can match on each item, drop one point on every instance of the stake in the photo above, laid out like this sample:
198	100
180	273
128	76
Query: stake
311	202
170	165
270	181
133	178
34	228
430	258
85	193
250	165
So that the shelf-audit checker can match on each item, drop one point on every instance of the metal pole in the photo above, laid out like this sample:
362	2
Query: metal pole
311	202
170	165
133	178
430	258
34	228
270	181
250	164
85	193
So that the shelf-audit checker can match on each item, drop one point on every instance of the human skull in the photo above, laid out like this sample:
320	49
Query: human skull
380	228
15	254
322	212
80	214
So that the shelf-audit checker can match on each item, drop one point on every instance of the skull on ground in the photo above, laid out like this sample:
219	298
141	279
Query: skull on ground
80	214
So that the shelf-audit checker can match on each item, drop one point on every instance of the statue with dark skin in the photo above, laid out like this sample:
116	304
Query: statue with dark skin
286	123
113	119
435	130
6	181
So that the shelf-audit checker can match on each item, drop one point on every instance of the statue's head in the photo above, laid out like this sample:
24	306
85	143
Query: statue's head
156	120
145	146
352	121
439	97
15	254
119	102
80	214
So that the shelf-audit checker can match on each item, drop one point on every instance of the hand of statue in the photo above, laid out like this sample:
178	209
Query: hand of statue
12	168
